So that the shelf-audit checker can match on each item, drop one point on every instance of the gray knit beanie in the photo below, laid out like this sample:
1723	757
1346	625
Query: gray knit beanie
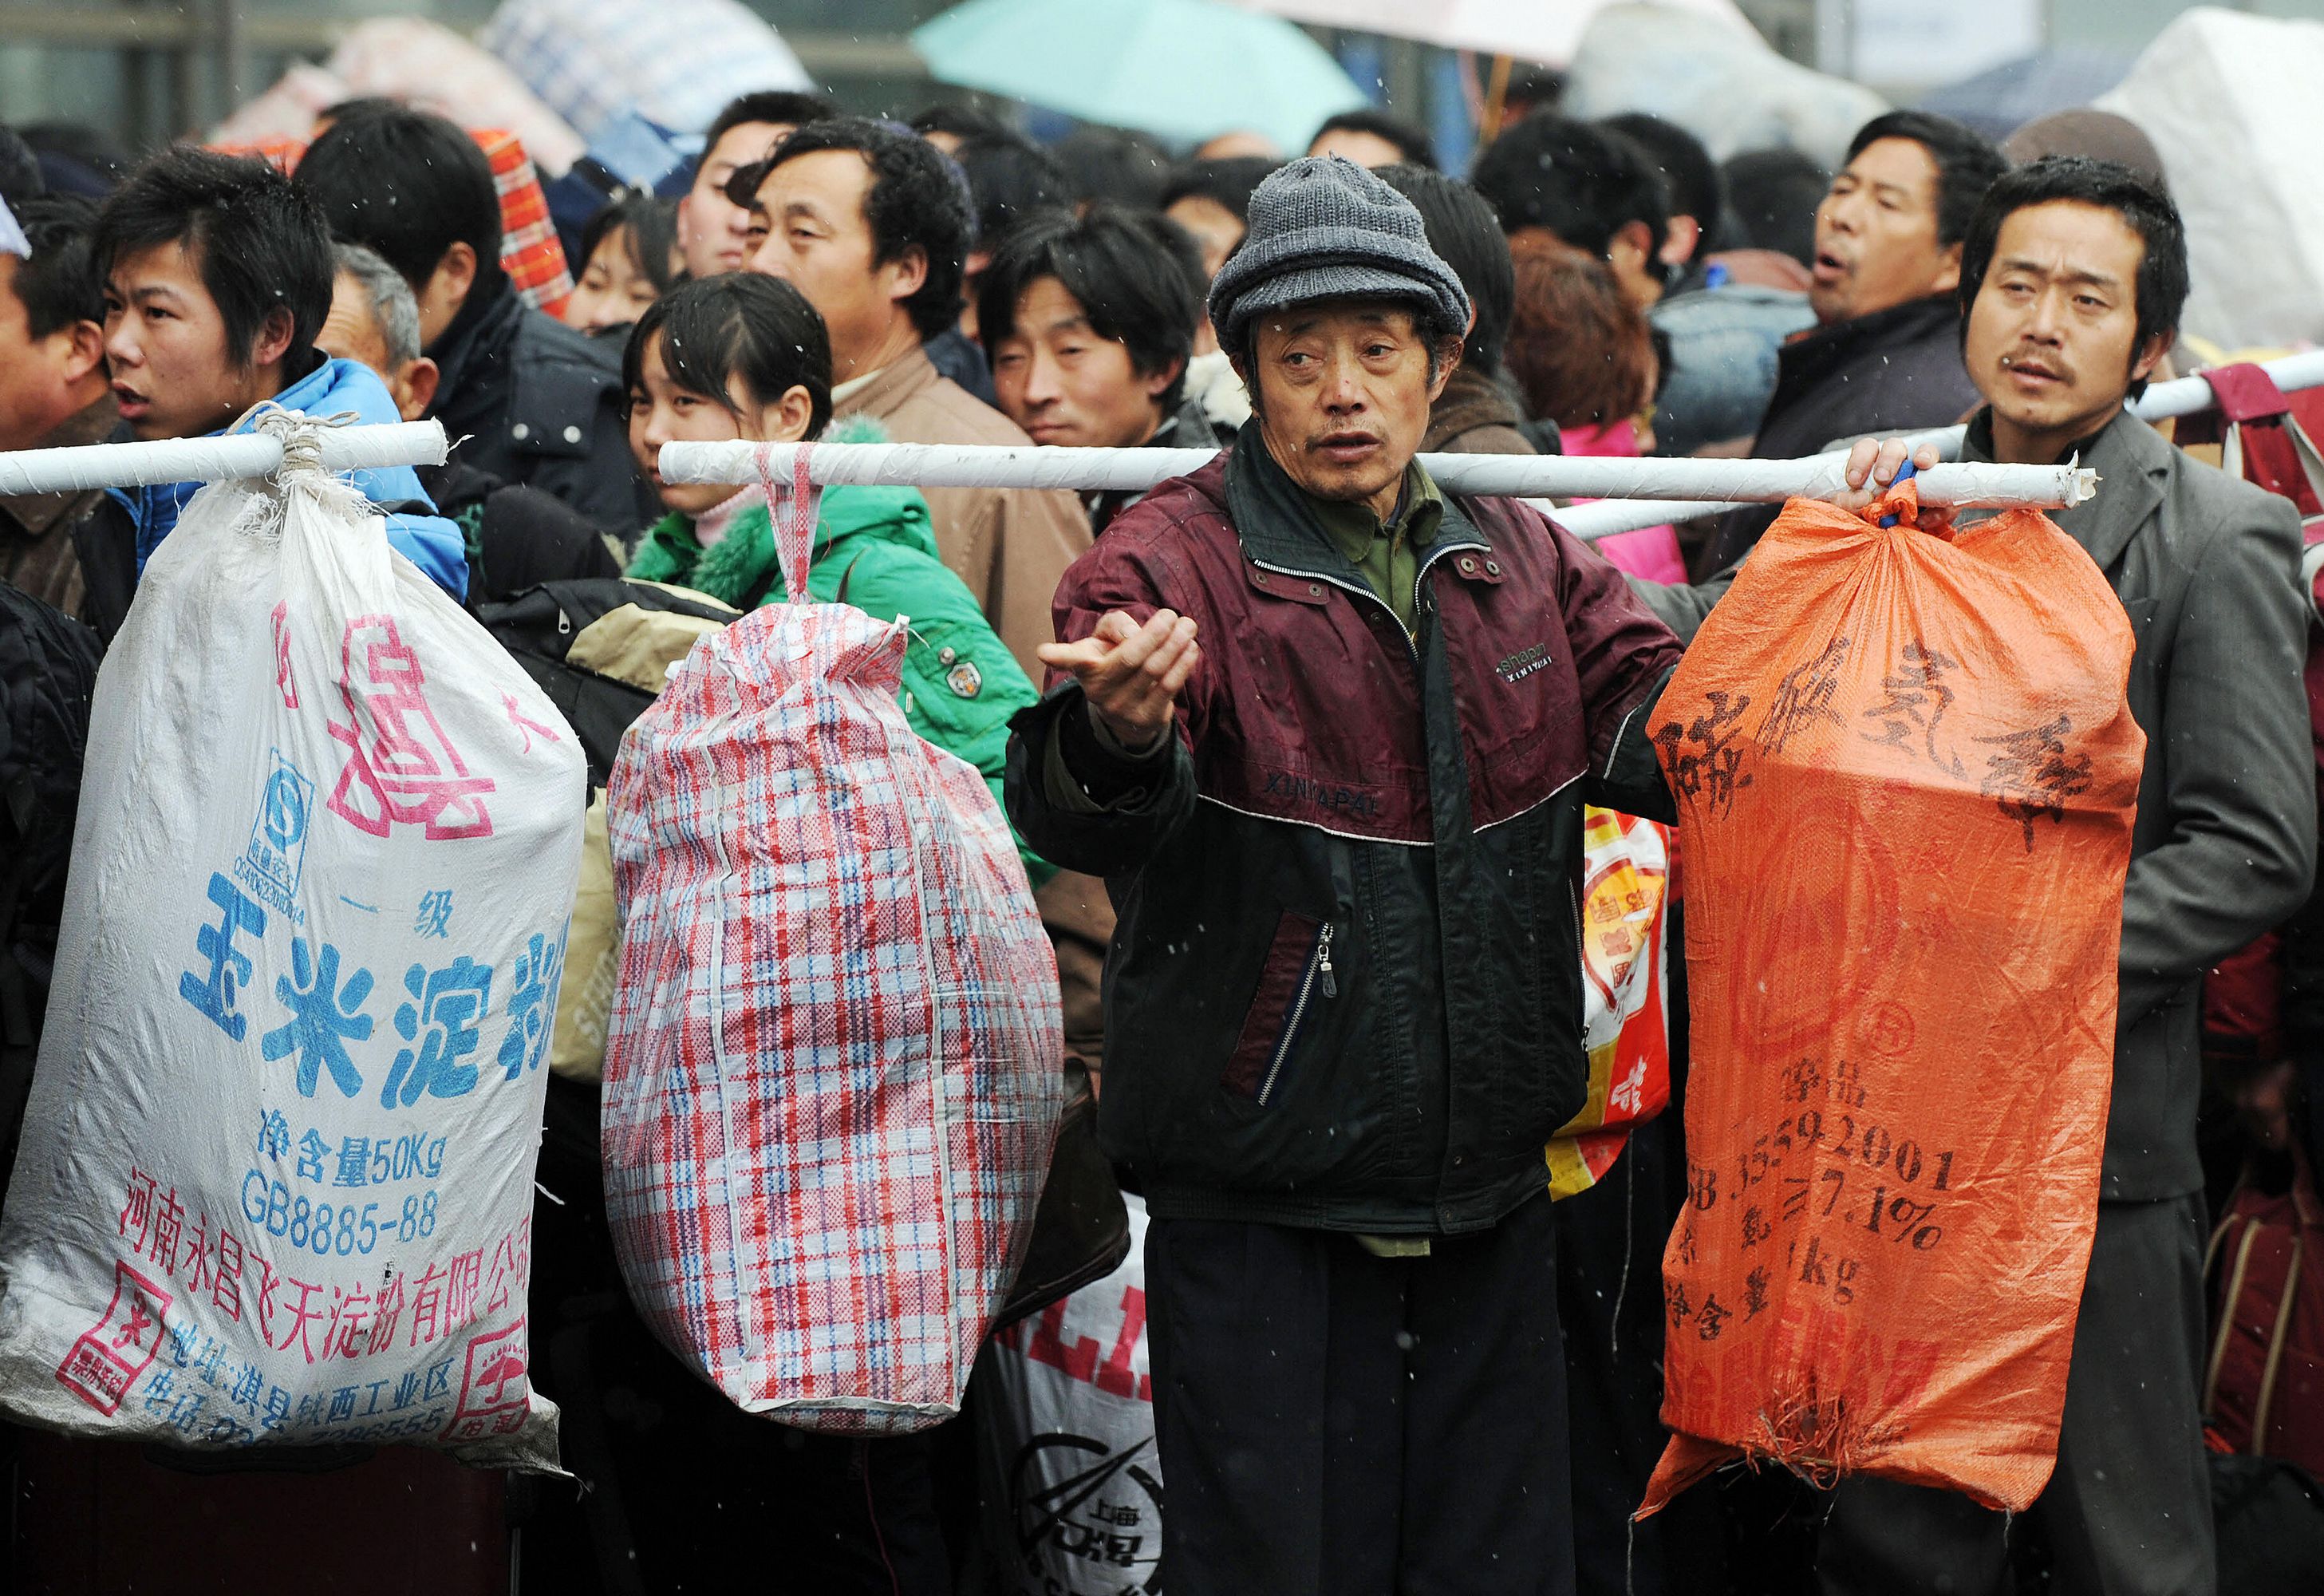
1325	228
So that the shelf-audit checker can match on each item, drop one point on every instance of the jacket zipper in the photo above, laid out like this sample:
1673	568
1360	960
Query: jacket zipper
1411	644
1319	964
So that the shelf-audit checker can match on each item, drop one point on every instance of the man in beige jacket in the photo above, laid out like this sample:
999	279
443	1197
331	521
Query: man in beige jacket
872	225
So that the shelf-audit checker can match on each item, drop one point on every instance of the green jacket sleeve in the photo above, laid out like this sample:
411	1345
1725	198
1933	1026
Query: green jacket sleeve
961	685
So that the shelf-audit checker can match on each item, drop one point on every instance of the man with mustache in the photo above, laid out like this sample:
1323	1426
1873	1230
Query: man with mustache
1343	1004
2072	275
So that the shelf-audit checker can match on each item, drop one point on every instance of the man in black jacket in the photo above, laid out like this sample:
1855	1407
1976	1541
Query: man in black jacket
526	398
517	537
1884	355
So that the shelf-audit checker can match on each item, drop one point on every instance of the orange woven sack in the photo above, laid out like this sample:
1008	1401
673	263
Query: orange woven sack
1905	776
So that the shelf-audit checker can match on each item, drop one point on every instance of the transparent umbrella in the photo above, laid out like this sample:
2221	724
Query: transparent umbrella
1177	69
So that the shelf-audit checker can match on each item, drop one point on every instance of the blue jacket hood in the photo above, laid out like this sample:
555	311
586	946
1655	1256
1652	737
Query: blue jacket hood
333	388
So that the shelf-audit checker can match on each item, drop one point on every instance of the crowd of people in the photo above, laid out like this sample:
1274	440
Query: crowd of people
1260	724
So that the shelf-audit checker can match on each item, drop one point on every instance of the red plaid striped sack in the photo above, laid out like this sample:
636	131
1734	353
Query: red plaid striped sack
833	1068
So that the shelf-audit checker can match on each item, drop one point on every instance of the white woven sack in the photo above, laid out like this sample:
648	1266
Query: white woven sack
276	1181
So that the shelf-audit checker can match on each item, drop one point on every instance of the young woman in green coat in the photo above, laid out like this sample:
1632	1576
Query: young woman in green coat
746	357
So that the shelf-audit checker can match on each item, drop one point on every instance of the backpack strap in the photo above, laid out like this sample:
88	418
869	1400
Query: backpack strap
2228	1308
2277	1337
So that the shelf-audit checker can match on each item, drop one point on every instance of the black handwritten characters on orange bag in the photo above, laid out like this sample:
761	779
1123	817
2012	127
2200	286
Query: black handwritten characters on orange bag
1701	756
2034	774
1888	761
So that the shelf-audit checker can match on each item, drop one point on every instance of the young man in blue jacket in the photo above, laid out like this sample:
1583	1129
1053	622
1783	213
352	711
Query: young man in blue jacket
217	276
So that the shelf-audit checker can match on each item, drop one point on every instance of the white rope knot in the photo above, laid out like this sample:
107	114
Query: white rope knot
299	434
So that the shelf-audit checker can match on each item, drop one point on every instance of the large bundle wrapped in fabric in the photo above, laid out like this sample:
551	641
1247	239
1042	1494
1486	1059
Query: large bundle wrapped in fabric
833	1070
676	62
276	1183
2230	101
1905	773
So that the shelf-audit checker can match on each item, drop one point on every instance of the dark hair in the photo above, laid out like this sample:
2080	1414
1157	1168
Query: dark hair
650	223
1113	164
259	240
1689	174
407	185
76	158
1009	180
1536	89
361	104
20	170
737	324
1967	161
1773	195
1121	265
58	285
2144	209
1579	351
1413	145
1229	182
917	199
784	107
1582	182
962	121
1463	233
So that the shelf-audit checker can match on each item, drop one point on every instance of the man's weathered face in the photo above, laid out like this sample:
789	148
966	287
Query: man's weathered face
1876	234
1342	391
809	228
2052	338
1062	383
351	332
711	228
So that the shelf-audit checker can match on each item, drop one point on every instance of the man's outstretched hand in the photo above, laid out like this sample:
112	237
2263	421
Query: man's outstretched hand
1130	674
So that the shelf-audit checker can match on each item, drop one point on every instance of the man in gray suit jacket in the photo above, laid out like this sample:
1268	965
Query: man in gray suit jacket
2072	277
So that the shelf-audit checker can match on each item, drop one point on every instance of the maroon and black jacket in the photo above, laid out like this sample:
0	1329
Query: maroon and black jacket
1345	988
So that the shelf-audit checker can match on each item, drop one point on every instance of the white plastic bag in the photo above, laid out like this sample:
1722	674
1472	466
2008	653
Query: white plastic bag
276	1181
1072	1485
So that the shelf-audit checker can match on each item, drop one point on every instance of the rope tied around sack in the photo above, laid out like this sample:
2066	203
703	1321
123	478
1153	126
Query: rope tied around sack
299	434
794	531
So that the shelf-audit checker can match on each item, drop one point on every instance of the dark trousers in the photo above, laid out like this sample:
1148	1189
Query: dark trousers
1335	1424
1610	1305
2128	1513
681	1492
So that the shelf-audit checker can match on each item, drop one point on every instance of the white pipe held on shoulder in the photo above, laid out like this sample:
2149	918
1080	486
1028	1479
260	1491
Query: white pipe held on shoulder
212	459
1494	476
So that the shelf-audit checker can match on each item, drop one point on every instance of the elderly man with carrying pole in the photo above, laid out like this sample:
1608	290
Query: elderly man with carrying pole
1343	1007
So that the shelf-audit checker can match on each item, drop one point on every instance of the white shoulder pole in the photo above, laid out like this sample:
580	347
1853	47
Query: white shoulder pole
2181	396
1547	476
212	459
